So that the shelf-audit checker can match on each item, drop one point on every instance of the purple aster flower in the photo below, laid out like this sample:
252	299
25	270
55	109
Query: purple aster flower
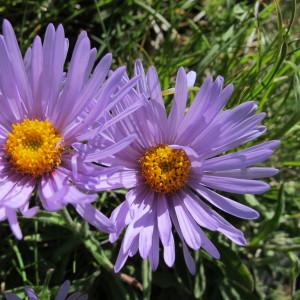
45	113
176	165
61	295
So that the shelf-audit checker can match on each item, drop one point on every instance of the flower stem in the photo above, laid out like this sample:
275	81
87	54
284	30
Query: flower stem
147	280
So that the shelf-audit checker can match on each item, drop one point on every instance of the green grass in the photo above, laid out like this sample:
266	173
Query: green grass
254	45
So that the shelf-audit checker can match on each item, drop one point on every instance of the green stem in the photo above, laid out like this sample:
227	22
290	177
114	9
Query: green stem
147	279
20	262
69	220
94	247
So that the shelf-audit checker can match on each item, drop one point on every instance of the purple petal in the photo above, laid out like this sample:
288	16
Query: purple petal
110	150
31	293
113	179
145	236
198	211
249	173
10	296
189	259
236	160
169	252
134	247
226	204
179	102
17	62
155	90
54	55
63	291
142	83
52	189
230	231
188	226
75	196
16	192
209	246
94	217
191	78
91	87
187	256
235	185
77	296
7	84
13	223
36	69
164	223
121	259
105	96
119	218
29	212
2	213
222	225
134	229
74	81
154	252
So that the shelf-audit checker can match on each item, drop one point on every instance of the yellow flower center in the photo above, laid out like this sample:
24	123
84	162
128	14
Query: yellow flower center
165	169
33	147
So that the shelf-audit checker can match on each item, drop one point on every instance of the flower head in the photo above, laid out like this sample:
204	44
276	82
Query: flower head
61	295
177	163
46	112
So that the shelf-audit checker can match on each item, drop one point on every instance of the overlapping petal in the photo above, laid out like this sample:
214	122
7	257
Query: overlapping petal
77	101
205	132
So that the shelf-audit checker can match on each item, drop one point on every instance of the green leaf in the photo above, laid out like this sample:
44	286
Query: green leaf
235	269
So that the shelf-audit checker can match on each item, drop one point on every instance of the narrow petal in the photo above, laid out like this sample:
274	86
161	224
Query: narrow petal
110	150
164	223
169	252
134	229
154	252
75	196
208	246
145	236
155	89
119	219
189	261
13	223
134	247
179	102
191	78
249	173
235	185
91	88
30	293
29	212
142	83
121	259
63	291
187	256
16	192
10	296
74	81
236	161
198	211
226	204
188	226
17	62
113	179
52	189
94	217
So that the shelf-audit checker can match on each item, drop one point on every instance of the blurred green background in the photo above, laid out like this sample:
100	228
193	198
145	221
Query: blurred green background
253	44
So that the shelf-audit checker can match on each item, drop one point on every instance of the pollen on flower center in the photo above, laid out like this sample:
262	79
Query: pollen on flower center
33	147
165	169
